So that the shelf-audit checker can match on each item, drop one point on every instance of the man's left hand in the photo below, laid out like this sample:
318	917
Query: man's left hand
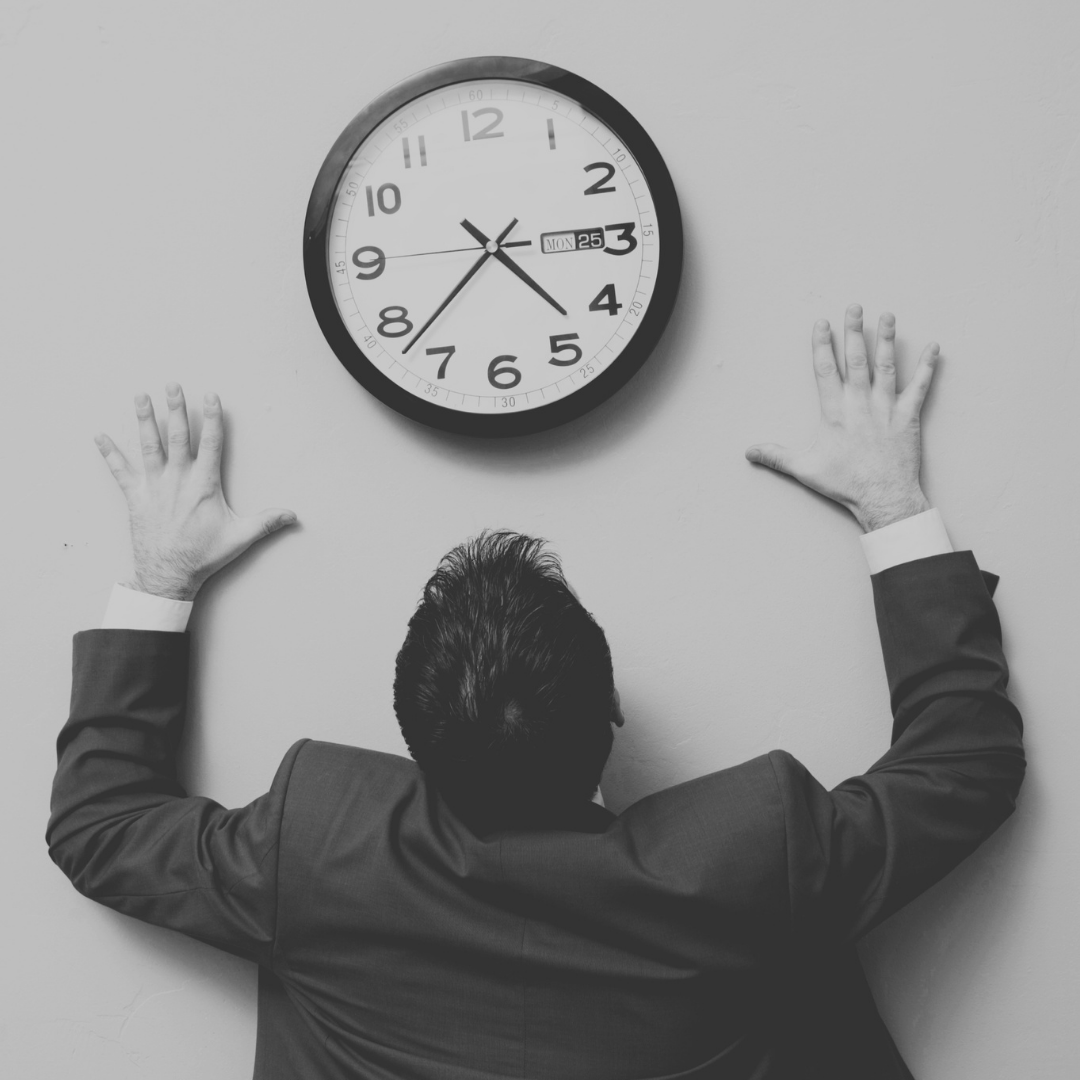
182	529
867	452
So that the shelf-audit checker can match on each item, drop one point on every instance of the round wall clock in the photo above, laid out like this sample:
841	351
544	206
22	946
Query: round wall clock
493	246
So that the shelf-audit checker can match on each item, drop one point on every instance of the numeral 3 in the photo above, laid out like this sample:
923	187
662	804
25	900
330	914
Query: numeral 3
626	233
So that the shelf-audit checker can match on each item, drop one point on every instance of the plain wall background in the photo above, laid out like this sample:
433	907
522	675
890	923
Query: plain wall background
922	158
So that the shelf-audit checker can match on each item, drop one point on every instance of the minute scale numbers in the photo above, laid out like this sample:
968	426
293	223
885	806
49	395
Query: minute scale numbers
493	246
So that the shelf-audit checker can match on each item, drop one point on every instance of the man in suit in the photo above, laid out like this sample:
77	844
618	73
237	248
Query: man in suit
474	914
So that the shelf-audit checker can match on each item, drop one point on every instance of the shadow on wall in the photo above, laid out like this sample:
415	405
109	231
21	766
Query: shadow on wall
643	761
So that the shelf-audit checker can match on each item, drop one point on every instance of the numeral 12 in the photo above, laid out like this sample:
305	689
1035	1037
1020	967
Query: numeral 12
488	132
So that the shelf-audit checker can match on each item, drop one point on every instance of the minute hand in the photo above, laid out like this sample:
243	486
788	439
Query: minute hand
457	288
510	265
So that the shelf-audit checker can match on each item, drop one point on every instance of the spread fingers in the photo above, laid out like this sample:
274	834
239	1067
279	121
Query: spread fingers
856	364
179	435
212	438
915	392
149	437
885	358
116	461
825	367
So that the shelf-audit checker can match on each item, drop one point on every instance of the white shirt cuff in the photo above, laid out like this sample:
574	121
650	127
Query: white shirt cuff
129	609
916	537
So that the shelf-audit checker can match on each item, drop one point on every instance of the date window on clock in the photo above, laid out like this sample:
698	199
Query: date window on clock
572	240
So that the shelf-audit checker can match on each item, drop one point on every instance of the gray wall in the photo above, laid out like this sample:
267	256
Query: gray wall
922	158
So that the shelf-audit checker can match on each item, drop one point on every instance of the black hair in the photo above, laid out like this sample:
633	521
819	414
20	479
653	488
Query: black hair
504	688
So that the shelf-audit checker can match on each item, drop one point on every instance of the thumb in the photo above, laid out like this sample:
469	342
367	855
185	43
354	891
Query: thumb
263	524
771	454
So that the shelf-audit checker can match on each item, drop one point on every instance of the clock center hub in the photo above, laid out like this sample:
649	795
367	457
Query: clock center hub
491	247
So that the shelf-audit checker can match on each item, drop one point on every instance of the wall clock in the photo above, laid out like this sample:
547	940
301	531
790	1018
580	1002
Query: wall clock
493	246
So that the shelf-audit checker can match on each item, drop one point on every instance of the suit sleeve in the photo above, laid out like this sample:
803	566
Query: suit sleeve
122	827
861	851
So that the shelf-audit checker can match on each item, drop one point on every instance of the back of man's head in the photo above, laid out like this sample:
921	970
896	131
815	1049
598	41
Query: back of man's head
504	688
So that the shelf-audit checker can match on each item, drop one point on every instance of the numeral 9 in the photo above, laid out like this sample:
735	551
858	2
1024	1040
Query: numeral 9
374	266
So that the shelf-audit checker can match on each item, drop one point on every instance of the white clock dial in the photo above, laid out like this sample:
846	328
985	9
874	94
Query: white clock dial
492	246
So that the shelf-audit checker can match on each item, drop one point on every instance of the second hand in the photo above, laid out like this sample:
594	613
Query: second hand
451	251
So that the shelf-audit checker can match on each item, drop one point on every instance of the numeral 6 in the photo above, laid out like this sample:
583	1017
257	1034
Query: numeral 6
510	376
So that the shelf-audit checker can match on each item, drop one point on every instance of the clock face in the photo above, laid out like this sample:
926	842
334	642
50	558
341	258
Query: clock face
492	248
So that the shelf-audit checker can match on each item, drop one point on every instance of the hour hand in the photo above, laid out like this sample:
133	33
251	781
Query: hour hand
461	284
509	263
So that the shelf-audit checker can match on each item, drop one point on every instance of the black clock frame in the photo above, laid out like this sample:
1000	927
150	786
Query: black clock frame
668	271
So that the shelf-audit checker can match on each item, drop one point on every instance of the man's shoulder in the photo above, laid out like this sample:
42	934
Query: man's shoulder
721	834
746	784
740	804
739	794
328	773
332	756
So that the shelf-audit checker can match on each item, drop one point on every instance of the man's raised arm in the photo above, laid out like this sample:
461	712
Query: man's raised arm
956	763
122	828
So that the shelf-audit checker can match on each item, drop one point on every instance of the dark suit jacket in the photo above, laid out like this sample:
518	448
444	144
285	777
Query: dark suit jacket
706	931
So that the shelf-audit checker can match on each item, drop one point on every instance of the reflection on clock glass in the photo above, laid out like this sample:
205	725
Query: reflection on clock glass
492	246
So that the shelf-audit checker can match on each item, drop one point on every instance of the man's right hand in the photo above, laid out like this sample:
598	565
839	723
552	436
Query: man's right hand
182	529
868	450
